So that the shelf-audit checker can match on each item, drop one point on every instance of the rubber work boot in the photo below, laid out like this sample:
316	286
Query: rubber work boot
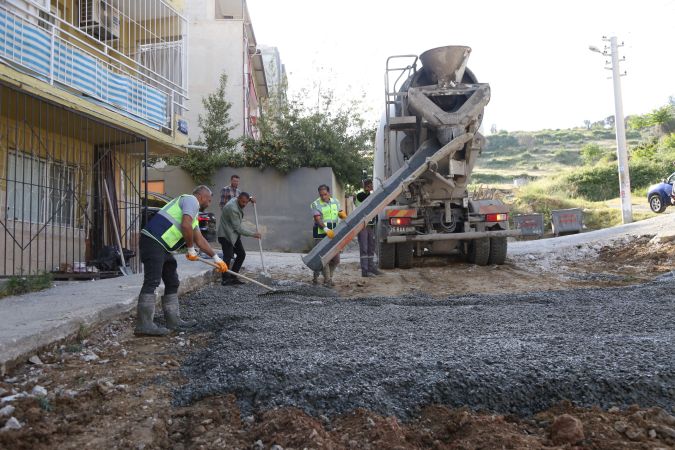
375	271
327	279
365	274
144	314
172	314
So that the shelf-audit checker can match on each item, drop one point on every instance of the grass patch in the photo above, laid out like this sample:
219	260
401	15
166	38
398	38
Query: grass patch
44	404
18	285
491	178
73	348
83	332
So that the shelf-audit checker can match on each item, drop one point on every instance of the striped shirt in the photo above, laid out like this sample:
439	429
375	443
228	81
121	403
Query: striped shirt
227	193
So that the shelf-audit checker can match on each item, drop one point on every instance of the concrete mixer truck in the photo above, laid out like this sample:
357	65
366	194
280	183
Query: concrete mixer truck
426	148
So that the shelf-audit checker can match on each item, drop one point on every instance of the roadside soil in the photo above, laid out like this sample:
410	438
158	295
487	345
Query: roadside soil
623	261
107	389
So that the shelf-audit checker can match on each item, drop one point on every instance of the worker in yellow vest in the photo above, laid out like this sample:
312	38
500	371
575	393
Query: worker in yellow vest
367	235
327	212
175	225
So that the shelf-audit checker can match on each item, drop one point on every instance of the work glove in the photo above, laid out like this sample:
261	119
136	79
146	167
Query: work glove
192	254
330	233
222	267
342	215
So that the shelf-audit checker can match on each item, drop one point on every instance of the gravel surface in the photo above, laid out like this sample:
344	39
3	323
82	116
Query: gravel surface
517	353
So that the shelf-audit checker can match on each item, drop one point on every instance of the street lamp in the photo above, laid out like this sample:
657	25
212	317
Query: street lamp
619	127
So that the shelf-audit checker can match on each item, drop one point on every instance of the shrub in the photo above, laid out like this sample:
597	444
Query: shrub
501	140
601	182
567	157
591	153
603	133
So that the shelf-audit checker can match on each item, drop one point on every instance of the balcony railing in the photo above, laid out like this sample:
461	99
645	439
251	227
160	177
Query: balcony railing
129	56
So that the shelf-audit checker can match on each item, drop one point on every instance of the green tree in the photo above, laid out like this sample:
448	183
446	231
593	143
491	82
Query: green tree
218	145
660	118
324	135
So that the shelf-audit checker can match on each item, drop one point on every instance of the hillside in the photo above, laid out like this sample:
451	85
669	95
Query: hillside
540	153
572	168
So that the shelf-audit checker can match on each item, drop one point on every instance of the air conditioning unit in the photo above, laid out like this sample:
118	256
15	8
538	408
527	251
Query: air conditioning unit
98	20
29	9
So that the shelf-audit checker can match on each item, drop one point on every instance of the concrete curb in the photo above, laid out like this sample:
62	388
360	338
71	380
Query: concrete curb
32	321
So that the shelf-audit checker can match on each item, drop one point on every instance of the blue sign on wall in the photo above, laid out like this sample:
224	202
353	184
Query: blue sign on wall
183	126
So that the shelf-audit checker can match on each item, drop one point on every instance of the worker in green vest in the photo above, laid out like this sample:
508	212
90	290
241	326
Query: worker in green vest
327	212
367	235
175	225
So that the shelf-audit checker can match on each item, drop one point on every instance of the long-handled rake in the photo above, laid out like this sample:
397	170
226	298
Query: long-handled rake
268	290
271	289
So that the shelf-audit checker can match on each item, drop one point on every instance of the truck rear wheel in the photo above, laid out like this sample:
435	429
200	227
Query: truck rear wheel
404	255
479	251
386	255
498	246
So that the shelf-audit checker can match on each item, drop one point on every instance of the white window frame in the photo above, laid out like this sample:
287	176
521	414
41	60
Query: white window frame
41	188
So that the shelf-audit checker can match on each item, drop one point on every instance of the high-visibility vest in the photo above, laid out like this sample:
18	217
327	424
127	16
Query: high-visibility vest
165	226
356	198
329	214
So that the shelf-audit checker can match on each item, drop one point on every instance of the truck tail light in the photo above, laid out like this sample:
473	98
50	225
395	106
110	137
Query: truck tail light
400	221
501	217
203	219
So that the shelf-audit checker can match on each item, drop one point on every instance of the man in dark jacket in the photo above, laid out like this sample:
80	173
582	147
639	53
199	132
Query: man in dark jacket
230	231
367	235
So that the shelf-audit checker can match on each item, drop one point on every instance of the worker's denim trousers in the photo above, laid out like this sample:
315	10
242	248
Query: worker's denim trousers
158	265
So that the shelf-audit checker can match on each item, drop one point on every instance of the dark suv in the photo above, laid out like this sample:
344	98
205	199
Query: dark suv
156	201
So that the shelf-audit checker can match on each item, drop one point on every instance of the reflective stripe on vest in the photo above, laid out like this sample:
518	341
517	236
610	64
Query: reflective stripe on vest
329	213
165	227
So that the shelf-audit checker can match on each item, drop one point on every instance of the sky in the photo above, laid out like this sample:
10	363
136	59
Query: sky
534	54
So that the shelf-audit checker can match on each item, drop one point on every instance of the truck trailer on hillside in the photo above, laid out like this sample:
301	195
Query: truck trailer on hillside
426	148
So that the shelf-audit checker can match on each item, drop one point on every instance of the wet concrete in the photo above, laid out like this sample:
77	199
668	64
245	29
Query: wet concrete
516	353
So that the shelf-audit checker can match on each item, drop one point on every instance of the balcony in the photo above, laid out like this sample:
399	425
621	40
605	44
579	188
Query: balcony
129	56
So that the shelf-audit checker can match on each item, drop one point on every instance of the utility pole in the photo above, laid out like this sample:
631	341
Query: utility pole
619	126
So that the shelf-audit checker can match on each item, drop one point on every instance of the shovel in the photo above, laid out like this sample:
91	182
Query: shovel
126	270
238	275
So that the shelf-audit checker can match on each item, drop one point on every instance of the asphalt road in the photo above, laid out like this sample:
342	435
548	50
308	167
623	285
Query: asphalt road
512	353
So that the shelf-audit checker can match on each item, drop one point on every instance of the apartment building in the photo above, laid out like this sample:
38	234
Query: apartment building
222	41
89	90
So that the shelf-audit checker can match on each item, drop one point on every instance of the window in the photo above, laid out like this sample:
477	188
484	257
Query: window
61	194
40	191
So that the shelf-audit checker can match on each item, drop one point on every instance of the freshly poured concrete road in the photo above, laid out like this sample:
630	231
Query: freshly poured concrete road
506	353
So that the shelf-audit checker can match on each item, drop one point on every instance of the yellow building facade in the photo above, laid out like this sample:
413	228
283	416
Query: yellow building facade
89	90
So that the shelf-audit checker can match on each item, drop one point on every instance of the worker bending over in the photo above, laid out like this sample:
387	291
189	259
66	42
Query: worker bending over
175	225
367	235
326	211
230	231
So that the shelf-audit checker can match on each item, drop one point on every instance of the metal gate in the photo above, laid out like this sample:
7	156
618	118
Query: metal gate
55	165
